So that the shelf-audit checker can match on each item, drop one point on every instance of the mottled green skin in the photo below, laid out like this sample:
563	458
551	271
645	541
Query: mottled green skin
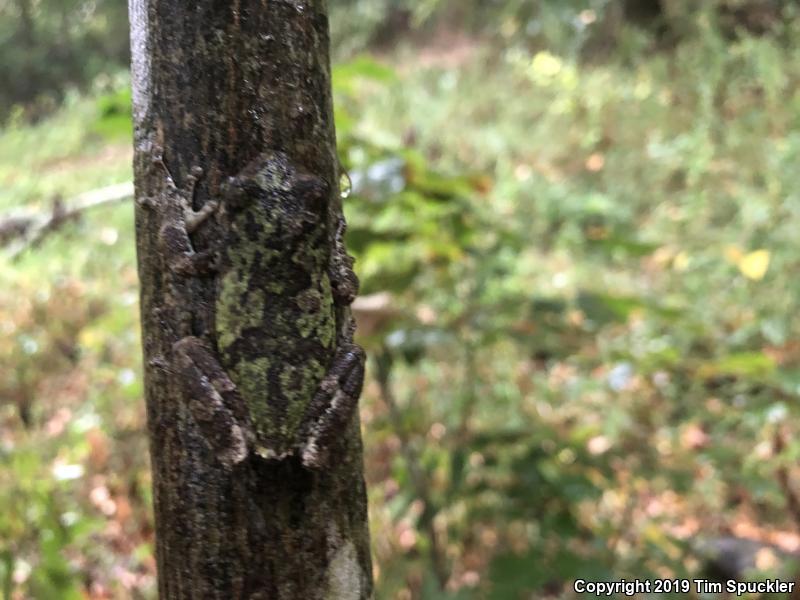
275	319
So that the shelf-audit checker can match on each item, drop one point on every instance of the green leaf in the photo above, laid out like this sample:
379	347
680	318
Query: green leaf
366	67
606	308
627	246
742	364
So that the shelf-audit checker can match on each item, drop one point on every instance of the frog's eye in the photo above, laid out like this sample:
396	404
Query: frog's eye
313	191
232	191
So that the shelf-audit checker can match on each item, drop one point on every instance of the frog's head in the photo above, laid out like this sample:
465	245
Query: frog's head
303	206
267	174
271	178
295	200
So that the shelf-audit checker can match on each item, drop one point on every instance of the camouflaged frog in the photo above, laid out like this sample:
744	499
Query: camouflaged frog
282	379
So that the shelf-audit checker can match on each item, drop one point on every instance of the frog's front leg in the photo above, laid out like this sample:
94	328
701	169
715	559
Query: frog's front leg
344	281
333	405
180	220
182	258
213	401
194	218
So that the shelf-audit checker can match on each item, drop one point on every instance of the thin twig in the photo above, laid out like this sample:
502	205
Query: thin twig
470	389
418	478
26	230
789	494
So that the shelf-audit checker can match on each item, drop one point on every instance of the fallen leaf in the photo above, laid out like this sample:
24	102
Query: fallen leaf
755	264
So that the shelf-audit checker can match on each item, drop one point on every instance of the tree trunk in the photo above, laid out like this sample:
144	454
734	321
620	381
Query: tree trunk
214	85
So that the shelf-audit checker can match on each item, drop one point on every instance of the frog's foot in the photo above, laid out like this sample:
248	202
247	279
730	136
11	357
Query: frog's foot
148	202
194	218
333	405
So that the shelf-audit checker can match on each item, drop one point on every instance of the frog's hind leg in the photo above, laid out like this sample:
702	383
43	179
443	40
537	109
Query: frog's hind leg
333	404
213	401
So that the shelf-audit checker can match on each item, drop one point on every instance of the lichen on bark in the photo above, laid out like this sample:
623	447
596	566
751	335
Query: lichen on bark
215	84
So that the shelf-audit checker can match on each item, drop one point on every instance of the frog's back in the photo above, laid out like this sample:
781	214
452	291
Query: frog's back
275	319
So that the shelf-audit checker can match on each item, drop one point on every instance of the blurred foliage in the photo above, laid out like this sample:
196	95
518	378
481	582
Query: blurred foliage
50	46
574	225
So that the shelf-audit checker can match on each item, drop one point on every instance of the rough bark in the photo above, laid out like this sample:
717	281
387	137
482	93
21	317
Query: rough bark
215	84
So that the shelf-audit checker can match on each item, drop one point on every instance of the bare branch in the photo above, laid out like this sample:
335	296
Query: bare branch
784	480
22	230
419	479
